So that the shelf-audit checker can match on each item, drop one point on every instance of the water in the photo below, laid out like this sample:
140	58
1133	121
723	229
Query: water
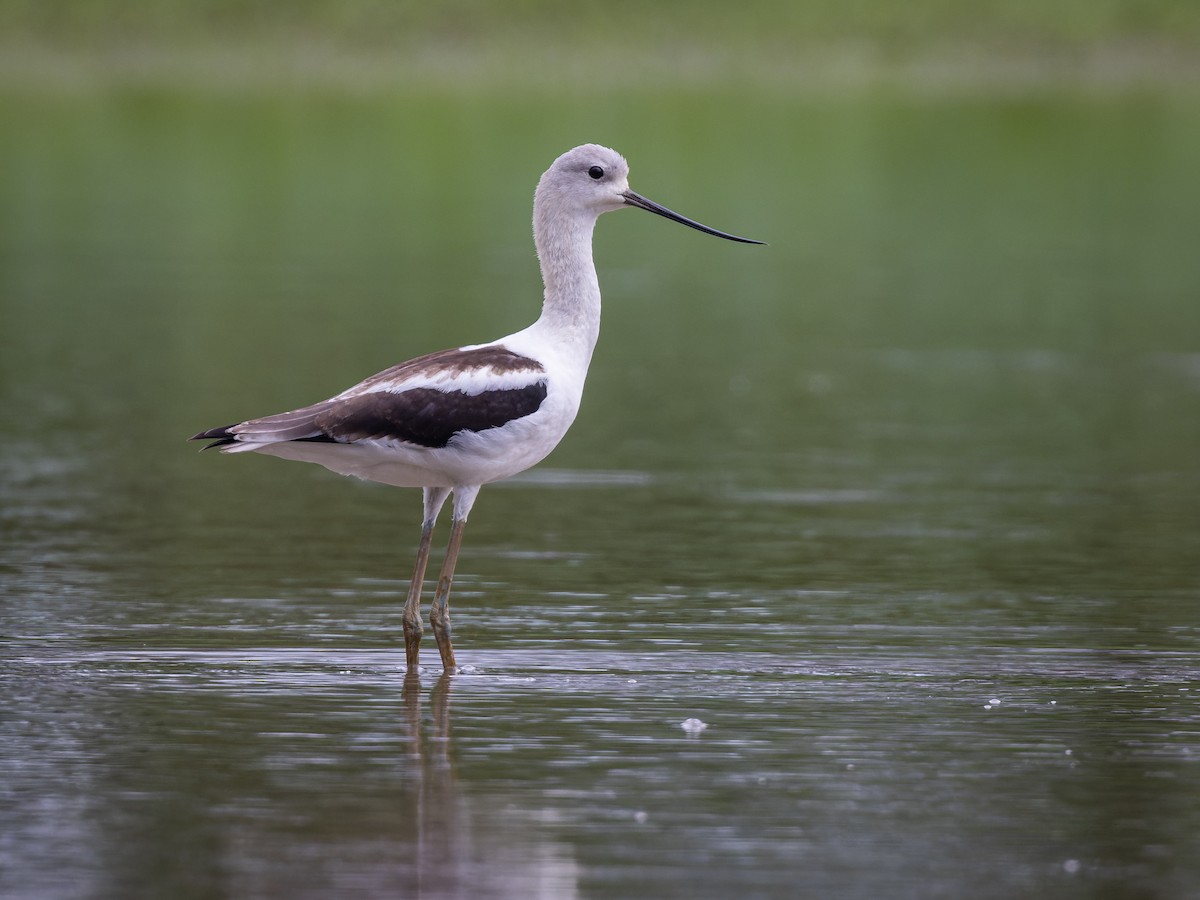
905	506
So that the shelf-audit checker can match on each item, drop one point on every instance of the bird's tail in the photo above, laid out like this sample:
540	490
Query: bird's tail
220	437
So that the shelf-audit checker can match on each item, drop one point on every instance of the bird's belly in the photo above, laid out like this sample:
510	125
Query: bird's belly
371	461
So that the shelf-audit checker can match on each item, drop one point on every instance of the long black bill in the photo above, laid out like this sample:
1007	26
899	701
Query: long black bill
635	199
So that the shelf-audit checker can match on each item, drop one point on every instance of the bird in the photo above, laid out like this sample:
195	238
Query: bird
452	421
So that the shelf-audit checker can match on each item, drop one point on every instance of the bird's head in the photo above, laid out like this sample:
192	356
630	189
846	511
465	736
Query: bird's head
590	180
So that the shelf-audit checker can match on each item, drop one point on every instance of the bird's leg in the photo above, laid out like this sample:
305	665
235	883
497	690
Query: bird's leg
439	613
434	498
412	606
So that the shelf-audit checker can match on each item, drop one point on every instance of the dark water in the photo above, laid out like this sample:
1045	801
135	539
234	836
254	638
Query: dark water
905	506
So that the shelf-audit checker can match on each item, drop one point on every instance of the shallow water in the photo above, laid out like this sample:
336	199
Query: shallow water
904	506
301	772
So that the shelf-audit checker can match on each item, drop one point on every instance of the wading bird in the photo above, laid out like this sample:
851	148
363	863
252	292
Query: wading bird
453	421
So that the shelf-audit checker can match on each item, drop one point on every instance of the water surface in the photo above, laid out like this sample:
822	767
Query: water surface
903	506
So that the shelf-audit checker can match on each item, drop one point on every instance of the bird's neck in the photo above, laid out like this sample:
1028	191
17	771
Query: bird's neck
571	304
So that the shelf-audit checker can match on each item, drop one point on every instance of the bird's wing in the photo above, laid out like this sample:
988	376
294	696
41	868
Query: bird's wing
425	402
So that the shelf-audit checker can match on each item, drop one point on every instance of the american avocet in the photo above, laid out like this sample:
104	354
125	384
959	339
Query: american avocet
452	421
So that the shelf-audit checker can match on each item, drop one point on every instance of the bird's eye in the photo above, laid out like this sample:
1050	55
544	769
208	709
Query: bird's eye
596	172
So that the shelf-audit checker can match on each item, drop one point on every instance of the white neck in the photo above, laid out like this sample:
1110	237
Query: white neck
571	304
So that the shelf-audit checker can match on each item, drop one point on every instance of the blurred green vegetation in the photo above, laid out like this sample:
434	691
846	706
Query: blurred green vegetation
814	44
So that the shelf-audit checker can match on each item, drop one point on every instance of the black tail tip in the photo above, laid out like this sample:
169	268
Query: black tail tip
219	437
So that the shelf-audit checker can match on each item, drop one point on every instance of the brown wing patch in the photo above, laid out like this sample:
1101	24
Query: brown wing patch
425	416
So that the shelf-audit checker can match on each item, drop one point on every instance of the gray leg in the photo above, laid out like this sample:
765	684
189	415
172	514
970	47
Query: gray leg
439	614
434	498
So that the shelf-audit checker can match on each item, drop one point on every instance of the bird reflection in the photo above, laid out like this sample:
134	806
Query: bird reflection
430	761
439	809
463	844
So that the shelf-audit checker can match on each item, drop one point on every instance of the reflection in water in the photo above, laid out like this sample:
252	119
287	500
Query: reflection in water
423	835
454	855
201	773
433	797
326	773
